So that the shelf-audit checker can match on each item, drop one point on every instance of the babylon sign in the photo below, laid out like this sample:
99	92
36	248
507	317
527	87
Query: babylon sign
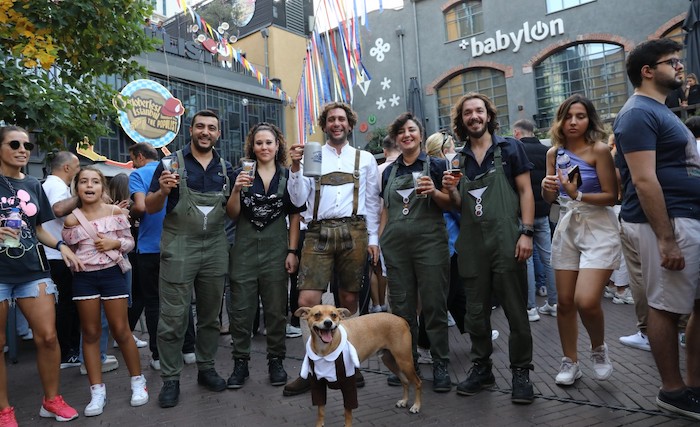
148	112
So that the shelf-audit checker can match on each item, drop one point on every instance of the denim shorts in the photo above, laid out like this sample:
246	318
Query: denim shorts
12	291
109	283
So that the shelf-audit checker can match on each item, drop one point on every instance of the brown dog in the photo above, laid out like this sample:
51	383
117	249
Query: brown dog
382	333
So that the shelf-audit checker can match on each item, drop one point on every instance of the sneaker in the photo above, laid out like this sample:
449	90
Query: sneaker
681	339
450	320
568	372
7	417
542	291
211	380
681	402
548	309
375	309
155	364
424	356
293	331
98	400
441	378
239	375
140	343
70	362
393	380
169	394
532	315
139	391
638	340
109	364
494	334
28	336
298	386
602	367
58	409
623	298
189	358
522	387
479	377
275	368
609	292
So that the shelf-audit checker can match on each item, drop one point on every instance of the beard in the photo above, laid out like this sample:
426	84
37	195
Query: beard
202	148
475	134
338	140
670	83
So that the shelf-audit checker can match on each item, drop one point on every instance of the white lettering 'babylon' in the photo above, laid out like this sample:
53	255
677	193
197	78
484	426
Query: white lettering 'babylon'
503	41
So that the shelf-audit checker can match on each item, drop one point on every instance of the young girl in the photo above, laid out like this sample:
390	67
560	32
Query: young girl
586	242
24	275
102	279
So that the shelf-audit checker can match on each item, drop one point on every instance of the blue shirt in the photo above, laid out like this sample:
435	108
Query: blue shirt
644	124
150	225
515	161
198	179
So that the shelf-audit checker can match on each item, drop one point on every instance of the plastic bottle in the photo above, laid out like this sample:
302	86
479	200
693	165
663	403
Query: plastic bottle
312	159
14	220
563	161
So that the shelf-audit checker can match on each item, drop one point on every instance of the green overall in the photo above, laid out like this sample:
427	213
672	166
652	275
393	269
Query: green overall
193	254
257	268
417	256
487	264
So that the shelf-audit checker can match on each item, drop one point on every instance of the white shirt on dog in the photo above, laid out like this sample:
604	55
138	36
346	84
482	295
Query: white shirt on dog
324	366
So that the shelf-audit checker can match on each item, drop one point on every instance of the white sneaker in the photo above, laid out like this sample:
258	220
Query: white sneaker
602	367
638	340
568	373
681	339
375	309
424	356
532	315
189	358
450	320
139	391
542	291
155	364
548	309
494	334
140	343
98	400
609	293
109	364
623	298
293	331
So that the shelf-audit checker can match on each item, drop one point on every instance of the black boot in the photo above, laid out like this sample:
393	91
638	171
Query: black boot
441	378
278	376
169	394
239	375
522	387
211	380
478	378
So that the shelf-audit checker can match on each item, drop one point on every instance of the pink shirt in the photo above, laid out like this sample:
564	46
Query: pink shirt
115	227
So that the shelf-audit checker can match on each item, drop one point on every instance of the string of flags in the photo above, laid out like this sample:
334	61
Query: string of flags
222	45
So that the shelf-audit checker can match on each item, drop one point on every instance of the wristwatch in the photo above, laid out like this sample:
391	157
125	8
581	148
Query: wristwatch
528	231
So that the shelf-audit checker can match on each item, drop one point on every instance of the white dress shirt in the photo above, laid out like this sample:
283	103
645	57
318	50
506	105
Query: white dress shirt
336	201
56	190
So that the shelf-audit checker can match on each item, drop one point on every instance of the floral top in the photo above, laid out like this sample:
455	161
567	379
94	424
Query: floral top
111	227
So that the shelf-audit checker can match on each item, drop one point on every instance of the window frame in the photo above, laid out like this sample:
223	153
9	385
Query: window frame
474	20
563	6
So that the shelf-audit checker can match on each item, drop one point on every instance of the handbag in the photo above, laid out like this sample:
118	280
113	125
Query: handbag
114	254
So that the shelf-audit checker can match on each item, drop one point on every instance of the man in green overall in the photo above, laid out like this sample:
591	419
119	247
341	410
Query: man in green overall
343	217
495	240
194	252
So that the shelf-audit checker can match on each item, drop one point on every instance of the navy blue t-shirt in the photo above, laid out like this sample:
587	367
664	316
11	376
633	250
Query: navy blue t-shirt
515	161
643	124
437	167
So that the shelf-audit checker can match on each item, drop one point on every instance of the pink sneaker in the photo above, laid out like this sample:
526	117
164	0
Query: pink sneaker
57	408
7	417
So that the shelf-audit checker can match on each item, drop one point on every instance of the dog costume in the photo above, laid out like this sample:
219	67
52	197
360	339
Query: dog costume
335	370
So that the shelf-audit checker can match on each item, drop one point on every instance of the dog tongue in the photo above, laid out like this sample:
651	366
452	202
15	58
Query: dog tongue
326	335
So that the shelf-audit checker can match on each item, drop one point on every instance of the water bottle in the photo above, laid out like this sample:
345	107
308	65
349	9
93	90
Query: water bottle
14	221
312	159
563	161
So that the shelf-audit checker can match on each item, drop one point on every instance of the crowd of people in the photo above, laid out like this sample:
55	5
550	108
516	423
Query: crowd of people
451	232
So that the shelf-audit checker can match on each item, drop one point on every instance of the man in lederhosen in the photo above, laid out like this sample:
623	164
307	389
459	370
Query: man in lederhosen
193	252
343	217
495	240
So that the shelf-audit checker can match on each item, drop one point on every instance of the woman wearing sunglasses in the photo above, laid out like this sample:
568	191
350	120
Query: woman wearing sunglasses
24	274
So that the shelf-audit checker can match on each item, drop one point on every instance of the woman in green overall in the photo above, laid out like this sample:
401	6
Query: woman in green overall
264	253
413	239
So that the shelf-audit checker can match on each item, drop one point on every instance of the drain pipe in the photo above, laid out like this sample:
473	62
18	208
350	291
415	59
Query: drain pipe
265	33
400	34
415	26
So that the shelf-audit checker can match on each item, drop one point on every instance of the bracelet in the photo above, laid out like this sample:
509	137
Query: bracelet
293	251
579	196
58	245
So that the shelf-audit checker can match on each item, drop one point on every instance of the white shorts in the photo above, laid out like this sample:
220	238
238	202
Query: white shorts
672	291
587	236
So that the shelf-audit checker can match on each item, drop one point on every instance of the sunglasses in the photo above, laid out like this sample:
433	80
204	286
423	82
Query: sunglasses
15	145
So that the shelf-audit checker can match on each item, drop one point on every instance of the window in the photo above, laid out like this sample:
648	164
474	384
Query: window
463	20
487	81
677	34
595	70
557	5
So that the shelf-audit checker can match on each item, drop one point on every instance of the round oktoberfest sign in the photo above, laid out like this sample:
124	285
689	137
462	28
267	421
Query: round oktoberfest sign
148	112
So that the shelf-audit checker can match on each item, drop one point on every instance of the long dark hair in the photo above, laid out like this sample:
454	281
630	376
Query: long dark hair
458	125
281	156
594	132
105	186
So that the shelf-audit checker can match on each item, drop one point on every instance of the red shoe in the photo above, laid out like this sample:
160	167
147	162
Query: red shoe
57	408
7	417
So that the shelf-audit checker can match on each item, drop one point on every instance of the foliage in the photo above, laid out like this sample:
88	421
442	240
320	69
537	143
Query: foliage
375	138
217	12
56	56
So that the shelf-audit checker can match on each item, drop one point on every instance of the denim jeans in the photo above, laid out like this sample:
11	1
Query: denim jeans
542	243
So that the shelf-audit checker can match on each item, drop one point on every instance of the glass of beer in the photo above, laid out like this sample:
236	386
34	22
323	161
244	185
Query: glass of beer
453	165
249	168
416	182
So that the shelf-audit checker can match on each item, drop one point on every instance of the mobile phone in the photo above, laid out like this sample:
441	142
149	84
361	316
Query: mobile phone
575	173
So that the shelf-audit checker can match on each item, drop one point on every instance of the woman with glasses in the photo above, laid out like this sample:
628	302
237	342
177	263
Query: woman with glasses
25	278
586	242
